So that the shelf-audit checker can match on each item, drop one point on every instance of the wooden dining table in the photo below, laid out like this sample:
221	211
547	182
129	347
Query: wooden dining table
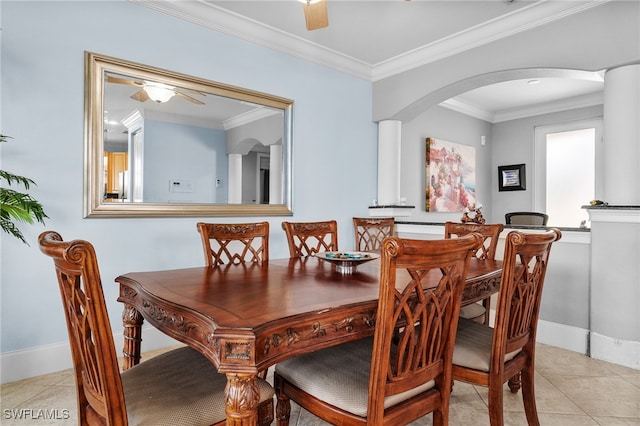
247	317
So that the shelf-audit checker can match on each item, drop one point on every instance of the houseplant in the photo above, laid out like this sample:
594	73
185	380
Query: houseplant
17	206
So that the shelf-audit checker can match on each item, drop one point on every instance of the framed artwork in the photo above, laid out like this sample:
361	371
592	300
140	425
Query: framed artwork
512	178
450	175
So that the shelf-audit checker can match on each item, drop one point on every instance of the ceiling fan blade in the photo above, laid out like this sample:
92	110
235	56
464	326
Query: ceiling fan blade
141	95
189	98
315	15
118	80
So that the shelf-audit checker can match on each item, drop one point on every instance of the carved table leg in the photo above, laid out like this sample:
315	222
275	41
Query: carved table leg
242	396
132	322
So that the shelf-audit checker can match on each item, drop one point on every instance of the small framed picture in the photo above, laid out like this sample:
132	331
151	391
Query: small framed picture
512	178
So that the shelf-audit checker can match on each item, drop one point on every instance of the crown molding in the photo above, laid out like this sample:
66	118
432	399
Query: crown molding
582	101
214	17
526	18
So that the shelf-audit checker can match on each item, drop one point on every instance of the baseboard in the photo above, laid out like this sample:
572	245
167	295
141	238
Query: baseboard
616	351
47	359
559	335
563	336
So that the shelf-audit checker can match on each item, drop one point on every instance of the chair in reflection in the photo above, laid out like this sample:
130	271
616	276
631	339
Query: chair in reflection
179	387
490	234
309	238
490	357
403	372
234	242
526	218
370	231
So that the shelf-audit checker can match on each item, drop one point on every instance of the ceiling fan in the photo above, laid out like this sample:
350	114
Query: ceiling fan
157	92
315	14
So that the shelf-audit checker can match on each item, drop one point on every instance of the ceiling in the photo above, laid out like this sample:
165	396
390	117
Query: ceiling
377	39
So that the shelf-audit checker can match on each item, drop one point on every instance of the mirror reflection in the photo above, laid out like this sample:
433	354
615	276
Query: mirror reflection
161	143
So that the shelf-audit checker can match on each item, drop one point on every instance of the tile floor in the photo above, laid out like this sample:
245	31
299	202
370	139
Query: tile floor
572	389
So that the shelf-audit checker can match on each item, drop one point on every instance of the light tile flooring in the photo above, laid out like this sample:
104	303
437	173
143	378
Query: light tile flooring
571	389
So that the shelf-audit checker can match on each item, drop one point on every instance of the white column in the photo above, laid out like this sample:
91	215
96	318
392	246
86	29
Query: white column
235	178
389	135
622	135
276	175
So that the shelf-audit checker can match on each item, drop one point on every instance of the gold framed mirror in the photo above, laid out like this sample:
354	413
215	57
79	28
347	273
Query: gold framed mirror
164	144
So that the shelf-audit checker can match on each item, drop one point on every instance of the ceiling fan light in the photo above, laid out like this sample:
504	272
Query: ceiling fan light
159	92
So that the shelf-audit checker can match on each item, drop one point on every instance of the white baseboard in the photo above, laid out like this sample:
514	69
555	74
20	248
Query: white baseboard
559	335
616	351
563	336
47	359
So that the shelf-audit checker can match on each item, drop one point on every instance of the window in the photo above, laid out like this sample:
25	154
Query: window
566	166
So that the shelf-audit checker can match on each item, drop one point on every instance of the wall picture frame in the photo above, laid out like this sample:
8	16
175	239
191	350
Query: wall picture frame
512	178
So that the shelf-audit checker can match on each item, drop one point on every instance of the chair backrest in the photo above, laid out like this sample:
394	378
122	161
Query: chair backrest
526	218
370	231
98	383
421	284
523	272
309	238
490	234
234	242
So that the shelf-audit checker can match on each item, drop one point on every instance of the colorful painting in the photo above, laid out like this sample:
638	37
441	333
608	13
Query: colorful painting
450	176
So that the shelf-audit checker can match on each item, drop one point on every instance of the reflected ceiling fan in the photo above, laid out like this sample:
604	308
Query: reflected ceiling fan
315	14
157	92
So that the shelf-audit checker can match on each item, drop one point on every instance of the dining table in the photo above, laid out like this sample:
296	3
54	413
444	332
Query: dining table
247	317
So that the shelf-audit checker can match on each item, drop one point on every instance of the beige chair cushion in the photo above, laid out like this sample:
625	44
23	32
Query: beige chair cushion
473	345
177	388
340	376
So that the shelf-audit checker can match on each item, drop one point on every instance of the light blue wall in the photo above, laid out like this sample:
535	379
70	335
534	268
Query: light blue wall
43	43
187	153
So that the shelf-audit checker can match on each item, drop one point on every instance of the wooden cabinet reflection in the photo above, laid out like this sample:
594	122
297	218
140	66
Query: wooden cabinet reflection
115	164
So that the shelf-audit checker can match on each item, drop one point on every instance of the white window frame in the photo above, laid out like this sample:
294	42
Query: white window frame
540	155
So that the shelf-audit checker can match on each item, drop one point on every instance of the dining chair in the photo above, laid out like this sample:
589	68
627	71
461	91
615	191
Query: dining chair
490	357
490	234
234	242
370	231
309	238
179	387
526	218
403	372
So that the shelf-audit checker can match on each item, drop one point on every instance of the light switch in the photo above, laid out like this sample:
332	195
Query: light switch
177	185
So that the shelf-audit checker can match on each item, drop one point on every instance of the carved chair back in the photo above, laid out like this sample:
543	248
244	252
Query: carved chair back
523	272
490	234
99	385
370	231
234	242
415	329
309	238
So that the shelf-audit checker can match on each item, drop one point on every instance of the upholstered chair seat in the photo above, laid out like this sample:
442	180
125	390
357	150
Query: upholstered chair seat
473	346
339	375
163	391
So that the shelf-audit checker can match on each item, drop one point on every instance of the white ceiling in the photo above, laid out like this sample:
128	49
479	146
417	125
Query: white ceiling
376	39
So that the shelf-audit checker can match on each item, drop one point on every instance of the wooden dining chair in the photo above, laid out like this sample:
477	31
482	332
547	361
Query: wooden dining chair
370	231
403	372
234	242
309	238
490	234
179	387
490	357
